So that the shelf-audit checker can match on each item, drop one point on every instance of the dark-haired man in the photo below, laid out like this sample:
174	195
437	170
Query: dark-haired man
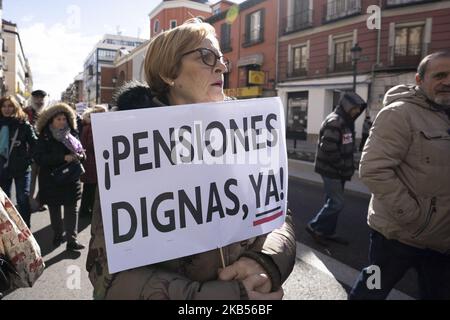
37	105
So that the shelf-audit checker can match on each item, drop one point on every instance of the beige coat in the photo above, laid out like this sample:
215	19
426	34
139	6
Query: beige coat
193	277
406	166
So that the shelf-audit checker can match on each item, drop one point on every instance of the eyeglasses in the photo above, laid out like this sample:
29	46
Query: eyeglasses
210	58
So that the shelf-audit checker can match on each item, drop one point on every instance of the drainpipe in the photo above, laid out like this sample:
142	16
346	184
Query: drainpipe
277	46
378	62
380	3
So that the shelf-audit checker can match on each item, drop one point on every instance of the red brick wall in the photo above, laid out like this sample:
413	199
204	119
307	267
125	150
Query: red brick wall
126	70
367	39
267	48
178	14
107	75
106	96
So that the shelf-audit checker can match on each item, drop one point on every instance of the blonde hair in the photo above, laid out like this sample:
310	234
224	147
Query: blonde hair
95	109
163	59
18	111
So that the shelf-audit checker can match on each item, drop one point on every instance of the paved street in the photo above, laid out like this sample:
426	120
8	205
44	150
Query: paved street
319	273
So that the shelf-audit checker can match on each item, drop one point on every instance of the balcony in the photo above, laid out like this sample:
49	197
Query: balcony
408	56
297	22
341	9
340	67
253	37
401	3
297	73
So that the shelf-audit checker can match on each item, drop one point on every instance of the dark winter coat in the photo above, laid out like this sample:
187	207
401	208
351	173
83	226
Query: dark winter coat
20	158
49	155
87	140
335	151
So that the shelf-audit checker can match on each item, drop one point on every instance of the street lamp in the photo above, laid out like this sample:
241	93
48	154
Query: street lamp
356	55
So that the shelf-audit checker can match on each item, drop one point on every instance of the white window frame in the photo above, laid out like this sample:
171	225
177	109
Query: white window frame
344	13
290	17
291	58
255	27
156	26
171	22
426	40
333	39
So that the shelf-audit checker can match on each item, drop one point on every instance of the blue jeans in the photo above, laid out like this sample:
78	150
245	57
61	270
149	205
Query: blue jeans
325	221
22	194
394	259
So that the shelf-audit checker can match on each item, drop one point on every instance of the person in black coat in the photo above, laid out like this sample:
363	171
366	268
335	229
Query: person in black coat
17	138
335	163
58	144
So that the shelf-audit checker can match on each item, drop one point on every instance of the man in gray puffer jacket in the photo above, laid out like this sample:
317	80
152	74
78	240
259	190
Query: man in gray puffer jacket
406	166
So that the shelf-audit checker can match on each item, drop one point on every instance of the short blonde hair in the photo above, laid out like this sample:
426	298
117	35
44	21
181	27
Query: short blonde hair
165	52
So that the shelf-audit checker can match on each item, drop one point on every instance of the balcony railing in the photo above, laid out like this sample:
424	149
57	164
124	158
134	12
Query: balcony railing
297	73
297	22
252	37
341	67
407	56
400	3
339	9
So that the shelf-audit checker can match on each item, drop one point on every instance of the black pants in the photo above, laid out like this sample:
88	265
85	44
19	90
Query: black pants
87	199
363	141
70	221
22	194
394	259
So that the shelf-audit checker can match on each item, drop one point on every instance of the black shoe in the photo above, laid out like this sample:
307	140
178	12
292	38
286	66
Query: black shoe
317	237
42	208
58	240
74	246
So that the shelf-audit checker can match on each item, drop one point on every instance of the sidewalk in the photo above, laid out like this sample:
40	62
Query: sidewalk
301	166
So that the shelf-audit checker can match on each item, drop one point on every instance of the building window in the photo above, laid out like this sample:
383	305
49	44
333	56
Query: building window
342	54
216	10
106	55
226	80
337	9
173	24
393	3
297	118
156	26
301	17
254	28
408	42
225	37
299	65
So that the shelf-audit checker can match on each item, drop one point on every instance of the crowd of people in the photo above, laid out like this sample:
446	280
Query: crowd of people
35	141
405	164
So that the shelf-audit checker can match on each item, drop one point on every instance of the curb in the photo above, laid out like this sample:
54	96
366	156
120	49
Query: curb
303	170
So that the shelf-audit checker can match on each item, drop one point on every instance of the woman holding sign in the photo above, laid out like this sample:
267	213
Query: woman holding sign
185	66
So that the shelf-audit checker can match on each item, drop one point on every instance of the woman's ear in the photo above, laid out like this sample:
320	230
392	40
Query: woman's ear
168	81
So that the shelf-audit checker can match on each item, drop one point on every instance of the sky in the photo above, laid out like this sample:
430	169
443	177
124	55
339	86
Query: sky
58	35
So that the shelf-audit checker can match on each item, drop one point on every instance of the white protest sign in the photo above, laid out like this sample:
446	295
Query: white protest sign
181	180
